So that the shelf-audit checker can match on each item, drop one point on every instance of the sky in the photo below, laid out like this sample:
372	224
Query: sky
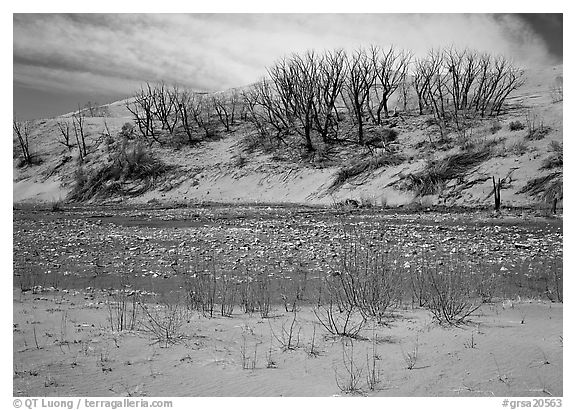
62	60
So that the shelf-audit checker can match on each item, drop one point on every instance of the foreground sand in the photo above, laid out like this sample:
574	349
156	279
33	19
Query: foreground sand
63	346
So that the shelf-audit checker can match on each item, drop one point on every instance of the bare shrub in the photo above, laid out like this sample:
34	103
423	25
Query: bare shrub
349	383
289	335
516	126
556	157
373	374
263	294
227	292
517	148
364	166
557	89
369	280
411	357
338	316
452	296
536	128
248	361
202	287
123	310
163	322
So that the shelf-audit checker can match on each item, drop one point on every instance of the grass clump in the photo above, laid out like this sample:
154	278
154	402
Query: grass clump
365	165
547	188
130	171
556	158
495	127
518	148
516	126
433	179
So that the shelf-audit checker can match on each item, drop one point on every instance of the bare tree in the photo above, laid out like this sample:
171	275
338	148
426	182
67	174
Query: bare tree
304	72
142	108
512	79
276	113
164	101
64	128
78	124
436	89
390	69
201	110
22	130
295	81
185	103
330	83
254	112
225	107
421	77
359	80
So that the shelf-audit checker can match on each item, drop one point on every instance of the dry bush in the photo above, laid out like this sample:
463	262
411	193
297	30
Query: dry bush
201	287
433	178
163	322
337	316
411	357
350	382
518	148
556	159
131	171
451	292
365	165
516	126
227	294
123	310
369	279
547	187
557	89
495	126
289	335
536	128
263	294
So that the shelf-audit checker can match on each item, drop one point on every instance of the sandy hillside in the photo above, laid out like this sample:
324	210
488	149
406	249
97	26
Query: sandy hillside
223	170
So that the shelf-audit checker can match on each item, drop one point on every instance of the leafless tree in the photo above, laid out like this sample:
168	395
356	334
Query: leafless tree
64	128
254	112
78	124
295	81
421	78
201	110
390	69
436	89
142	108
276	114
359	80
185	104
496	80
225	107
164	101
511	79
330	83
22	130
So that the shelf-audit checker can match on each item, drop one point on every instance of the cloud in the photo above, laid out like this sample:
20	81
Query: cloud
115	52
